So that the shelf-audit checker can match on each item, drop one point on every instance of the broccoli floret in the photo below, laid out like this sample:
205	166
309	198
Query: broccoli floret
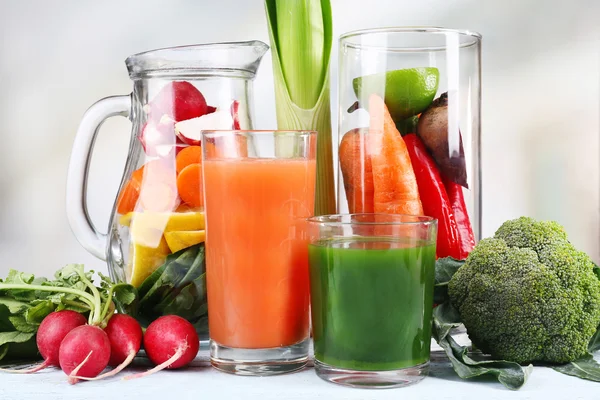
527	294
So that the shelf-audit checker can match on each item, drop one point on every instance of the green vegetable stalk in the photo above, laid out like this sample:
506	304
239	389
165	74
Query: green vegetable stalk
301	39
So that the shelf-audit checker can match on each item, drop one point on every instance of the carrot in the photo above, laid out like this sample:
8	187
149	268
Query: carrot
151	187
189	185
130	194
394	181
357	172
187	156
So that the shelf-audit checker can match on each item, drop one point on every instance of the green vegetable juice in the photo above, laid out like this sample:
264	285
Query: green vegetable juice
372	300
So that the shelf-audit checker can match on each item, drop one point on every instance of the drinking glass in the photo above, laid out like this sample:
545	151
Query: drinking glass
409	128
371	282
259	191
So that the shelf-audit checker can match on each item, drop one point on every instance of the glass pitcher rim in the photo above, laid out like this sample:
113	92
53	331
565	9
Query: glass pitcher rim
186	60
346	38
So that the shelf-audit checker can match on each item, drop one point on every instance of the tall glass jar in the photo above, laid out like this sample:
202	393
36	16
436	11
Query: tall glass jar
409	128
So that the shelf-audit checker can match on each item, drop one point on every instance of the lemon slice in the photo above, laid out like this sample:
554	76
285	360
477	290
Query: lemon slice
145	260
172	221
178	240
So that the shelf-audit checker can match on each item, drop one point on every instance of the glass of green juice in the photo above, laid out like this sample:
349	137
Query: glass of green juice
371	283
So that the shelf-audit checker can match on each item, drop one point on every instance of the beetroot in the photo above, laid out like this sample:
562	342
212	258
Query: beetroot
85	352
448	152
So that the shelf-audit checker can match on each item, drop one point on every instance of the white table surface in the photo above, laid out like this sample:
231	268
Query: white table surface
202	382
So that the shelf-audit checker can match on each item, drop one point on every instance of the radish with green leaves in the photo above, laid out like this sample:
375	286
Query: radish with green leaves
82	351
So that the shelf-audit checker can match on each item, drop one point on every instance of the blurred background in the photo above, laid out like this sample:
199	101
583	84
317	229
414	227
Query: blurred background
540	116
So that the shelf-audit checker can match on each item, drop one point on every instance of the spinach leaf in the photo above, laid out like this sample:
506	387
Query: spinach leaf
445	268
190	303
178	287
585	368
510	374
174	271
196	269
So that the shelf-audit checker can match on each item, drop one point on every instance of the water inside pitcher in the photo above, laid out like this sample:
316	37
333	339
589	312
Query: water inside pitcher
156	236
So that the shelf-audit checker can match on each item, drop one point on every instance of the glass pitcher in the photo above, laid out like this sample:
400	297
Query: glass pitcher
155	238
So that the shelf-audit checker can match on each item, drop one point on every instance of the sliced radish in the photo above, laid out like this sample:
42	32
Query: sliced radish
180	100
190	131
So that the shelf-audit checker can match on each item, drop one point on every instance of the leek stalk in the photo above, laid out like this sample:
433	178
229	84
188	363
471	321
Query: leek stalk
301	37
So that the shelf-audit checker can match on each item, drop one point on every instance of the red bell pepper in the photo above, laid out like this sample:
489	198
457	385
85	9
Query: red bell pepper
434	197
465	231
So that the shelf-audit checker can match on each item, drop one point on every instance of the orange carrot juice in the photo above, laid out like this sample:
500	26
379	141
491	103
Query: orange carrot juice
257	262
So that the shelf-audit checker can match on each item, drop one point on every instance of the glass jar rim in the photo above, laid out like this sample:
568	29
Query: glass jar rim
386	219
346	38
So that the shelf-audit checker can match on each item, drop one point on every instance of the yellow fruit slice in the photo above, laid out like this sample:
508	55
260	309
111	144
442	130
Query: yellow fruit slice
145	260
178	240
171	221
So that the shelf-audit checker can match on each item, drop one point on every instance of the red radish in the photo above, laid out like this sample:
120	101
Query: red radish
189	131
85	352
179	100
125	336
170	342
51	333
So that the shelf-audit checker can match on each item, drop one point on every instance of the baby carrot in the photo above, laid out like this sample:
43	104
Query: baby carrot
189	185
356	170
394	181
187	156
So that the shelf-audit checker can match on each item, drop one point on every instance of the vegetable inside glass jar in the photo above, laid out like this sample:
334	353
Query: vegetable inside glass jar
156	236
409	129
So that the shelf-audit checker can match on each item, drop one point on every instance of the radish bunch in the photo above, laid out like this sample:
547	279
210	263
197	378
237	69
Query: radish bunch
83	350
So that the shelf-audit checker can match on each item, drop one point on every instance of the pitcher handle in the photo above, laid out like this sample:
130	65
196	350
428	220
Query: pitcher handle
77	177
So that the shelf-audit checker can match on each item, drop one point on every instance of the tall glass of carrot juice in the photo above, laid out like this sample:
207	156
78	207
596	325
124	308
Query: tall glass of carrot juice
259	189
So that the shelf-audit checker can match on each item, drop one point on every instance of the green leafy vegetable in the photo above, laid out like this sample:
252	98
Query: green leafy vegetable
445	268
510	374
585	368
177	287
